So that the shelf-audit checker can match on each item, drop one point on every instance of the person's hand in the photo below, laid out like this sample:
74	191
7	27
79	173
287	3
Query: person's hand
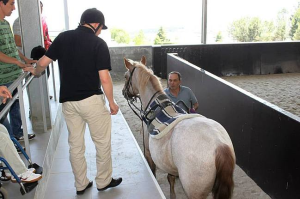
5	93
114	108
22	65
192	110
31	69
30	61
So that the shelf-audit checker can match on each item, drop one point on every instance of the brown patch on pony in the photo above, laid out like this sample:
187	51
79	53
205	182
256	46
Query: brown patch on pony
225	164
146	75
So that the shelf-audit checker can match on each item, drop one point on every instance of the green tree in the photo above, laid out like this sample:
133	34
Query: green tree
296	36
253	29
120	36
239	29
295	20
140	39
219	37
267	31
246	29
161	37
281	26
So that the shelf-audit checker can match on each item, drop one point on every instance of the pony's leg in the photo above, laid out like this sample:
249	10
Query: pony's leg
171	180
147	153
151	164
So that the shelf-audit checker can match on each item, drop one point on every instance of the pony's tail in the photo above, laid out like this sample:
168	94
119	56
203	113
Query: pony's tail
225	163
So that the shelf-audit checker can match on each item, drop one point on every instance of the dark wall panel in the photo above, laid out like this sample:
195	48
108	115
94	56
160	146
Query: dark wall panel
234	59
265	138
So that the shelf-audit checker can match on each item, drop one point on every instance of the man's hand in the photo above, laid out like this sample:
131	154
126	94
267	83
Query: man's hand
31	69
29	61
41	65
4	92
22	65
114	108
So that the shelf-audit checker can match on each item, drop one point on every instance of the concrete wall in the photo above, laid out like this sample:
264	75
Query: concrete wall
265	138
233	59
133	52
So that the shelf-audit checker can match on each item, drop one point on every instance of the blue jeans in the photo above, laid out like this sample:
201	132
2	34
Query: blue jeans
14	127
6	123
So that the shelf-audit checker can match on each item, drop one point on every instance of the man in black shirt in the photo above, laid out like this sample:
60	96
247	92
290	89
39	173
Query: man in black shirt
84	60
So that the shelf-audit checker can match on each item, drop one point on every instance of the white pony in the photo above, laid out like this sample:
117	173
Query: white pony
198	149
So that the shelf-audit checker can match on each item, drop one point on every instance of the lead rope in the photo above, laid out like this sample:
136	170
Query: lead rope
131	105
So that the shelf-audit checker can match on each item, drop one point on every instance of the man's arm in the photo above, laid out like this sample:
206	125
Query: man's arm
194	100
11	60
18	40
195	106
107	85
27	61
40	66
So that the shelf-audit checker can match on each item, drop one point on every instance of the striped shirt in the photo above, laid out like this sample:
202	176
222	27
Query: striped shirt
8	72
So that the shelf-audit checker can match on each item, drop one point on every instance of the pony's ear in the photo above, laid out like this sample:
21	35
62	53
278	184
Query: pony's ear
128	65
143	60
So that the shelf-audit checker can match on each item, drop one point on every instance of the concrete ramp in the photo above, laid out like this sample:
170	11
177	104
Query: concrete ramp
128	163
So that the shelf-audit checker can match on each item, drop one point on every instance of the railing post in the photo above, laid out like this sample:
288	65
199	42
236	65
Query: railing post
53	79
23	118
43	104
31	26
204	22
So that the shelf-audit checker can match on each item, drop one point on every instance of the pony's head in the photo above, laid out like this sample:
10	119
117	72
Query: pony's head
137	77
131	89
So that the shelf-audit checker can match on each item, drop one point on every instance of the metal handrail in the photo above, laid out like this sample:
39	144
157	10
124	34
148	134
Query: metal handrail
11	88
18	84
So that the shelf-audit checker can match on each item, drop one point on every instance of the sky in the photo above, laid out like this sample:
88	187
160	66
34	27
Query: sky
135	15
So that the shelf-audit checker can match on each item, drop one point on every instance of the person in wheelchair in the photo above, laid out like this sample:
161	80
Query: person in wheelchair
9	152
181	95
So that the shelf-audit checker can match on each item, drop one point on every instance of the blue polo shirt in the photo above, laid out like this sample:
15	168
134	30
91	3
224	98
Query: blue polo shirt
185	94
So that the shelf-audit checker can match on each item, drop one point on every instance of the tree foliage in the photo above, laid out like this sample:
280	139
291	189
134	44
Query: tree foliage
120	36
140	39
161	37
295	20
219	37
280	33
246	29
267	31
253	29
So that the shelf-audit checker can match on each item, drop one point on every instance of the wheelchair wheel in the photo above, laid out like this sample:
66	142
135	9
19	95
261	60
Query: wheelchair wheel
3	193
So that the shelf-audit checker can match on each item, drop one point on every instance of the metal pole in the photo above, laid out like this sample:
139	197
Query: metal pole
53	79
204	22
23	118
43	103
66	15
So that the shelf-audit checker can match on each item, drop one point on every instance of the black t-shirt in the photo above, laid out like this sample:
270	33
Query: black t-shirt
81	55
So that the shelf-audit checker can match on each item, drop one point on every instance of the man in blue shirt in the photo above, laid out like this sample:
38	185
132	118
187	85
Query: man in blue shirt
182	95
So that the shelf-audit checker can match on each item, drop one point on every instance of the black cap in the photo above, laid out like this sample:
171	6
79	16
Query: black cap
93	15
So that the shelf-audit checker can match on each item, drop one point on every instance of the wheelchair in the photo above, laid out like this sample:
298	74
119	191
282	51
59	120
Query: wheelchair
24	187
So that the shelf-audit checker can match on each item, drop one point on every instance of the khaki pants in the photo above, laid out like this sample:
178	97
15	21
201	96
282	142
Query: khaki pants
91	111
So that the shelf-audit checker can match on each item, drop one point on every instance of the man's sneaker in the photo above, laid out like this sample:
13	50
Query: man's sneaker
28	176
30	137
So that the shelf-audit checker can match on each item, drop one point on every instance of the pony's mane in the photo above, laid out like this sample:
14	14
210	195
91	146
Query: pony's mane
146	75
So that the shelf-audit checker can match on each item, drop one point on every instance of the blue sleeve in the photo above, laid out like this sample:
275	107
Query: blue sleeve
193	97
